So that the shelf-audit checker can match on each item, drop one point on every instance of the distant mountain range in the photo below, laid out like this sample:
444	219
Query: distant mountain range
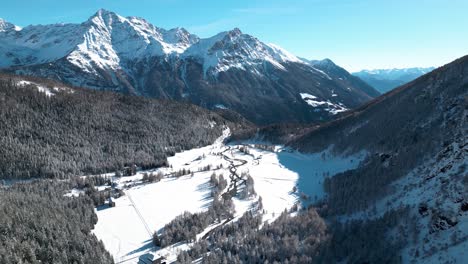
230	70
385	80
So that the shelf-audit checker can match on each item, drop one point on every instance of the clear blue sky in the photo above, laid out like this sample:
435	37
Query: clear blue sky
356	34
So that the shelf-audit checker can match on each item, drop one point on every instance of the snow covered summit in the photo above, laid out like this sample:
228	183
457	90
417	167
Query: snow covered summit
233	49
7	26
130	55
106	39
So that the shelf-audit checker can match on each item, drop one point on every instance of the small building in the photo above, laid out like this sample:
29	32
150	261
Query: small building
150	258
111	202
160	260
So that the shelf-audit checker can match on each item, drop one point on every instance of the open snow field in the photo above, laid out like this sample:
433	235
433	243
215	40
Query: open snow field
126	229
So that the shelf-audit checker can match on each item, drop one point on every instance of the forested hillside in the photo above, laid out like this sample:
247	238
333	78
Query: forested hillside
39	225
49	130
400	130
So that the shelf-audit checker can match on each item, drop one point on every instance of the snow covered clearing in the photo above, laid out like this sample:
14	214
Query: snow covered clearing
312	169
280	177
326	105
220	106
74	193
127	228
47	91
40	88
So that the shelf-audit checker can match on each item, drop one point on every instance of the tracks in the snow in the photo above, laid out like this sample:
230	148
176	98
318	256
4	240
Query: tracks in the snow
140	215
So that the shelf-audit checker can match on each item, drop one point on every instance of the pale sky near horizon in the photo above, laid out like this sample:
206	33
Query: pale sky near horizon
355	34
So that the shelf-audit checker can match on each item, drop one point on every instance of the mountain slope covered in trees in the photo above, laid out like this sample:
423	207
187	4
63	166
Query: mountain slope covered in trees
409	124
39	225
416	138
50	130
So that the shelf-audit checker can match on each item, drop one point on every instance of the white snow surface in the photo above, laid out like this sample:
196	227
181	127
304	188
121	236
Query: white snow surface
48	91
327	105
104	41
74	193
7	26
126	229
40	88
233	49
109	41
220	106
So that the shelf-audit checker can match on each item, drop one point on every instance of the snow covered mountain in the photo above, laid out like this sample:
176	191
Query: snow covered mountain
230	70
232	49
385	80
102	42
7	26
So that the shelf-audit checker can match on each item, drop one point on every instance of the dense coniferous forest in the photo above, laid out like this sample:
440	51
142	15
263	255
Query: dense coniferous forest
305	238
79	131
39	225
187	226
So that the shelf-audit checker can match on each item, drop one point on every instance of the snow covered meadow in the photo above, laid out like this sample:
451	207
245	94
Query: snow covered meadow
282	178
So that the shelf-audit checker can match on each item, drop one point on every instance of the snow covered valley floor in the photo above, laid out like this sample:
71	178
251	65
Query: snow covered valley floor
282	179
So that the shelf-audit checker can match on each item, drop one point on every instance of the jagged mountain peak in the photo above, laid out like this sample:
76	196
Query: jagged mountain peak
7	26
106	17
235	32
142	26
180	35
235	49
104	12
107	39
131	55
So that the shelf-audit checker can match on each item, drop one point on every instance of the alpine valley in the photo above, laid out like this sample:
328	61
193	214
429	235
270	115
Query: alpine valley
126	143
